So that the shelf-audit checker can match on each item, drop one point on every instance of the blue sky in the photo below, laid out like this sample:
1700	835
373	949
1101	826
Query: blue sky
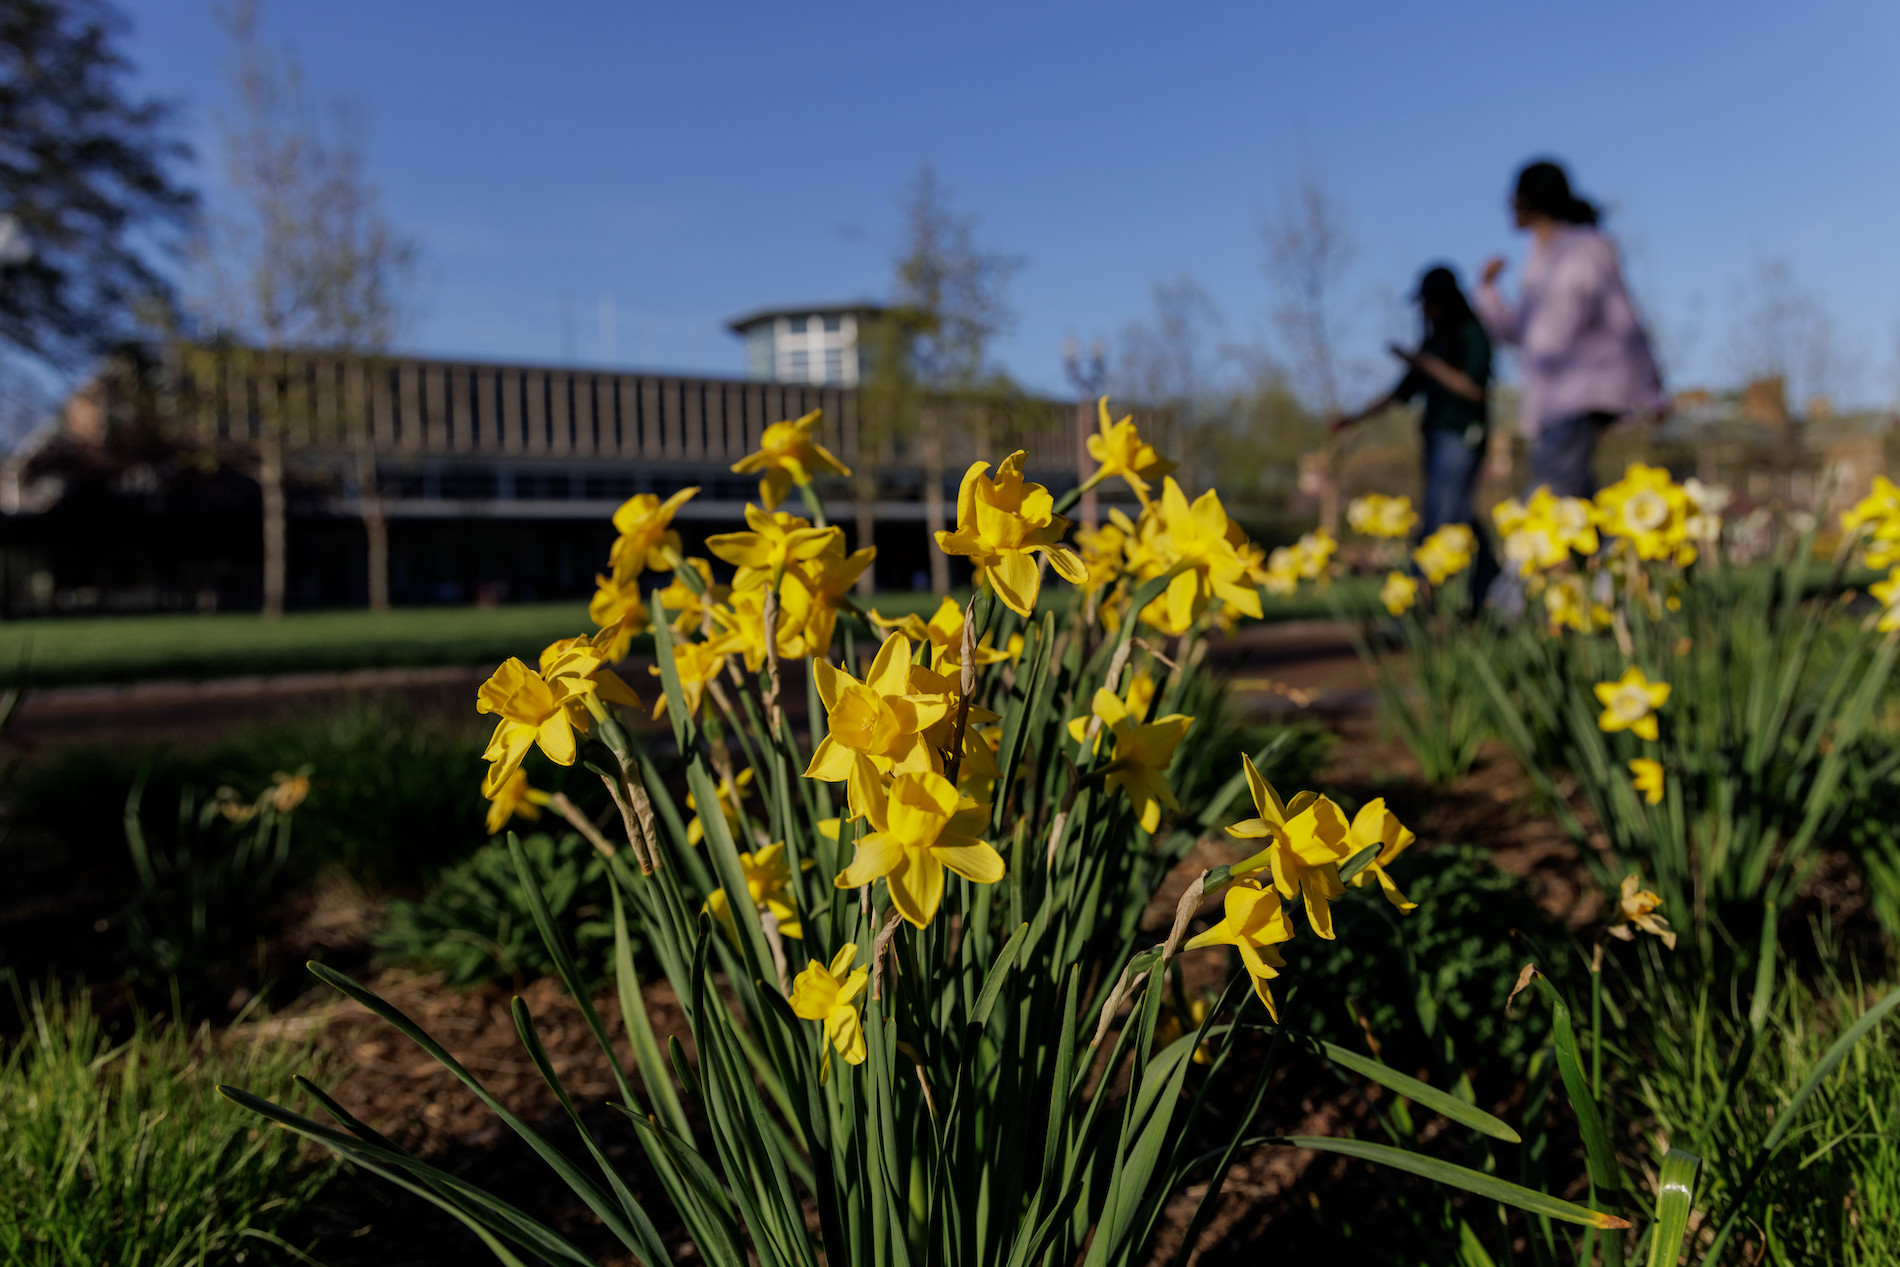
685	162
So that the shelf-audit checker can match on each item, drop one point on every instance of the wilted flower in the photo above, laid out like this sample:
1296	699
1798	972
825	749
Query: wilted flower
1636	909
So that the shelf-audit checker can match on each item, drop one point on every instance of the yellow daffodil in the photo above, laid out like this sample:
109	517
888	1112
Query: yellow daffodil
532	713
1636	909
690	603
789	454
768	881
1254	922
1119	450
739	625
647	539
1193	543
1135	700
1881	503
1374	824
1649	510
1630	703
1306	843
1446	552
585	659
822	586
1887	594
830	994
1568	604
1376	515
1283	572
1398	593
1143	752
287	791
874	727
729	794
944	632
922	827
1001	522
515	799
773	540
1104	550
1542	533
1646	776
618	605
698	663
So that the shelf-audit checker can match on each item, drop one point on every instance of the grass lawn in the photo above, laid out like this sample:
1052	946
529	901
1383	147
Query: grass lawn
93	649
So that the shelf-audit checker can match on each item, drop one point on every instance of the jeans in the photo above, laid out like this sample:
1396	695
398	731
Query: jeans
1561	454
1451	472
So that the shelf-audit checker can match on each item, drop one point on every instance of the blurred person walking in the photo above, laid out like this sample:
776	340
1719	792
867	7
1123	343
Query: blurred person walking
1583	354
1452	371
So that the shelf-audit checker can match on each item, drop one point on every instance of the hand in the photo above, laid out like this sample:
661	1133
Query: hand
1492	268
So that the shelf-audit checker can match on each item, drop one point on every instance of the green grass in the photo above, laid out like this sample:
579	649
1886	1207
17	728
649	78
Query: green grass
122	1152
233	644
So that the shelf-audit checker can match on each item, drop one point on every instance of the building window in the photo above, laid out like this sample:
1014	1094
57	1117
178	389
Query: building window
798	365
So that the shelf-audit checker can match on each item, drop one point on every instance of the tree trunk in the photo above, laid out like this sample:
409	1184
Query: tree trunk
864	501
933	500
270	482
375	527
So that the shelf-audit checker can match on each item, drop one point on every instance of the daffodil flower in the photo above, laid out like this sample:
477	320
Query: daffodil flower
1143	752
697	663
829	993
647	539
740	629
1646	776
1135	700
515	799
1445	553
729	793
1119	450
1649	510
922	827
768	882
617	605
688	602
1104	550
788	454
874	727
533	713
1398	593
1376	515
1001	522
1306	843
583	659
1194	543
1636	909
1253	922
1630	703
1887	594
822	586
773	540
1374	824
944	632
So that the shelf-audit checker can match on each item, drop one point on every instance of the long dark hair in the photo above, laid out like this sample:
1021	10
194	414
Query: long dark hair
1544	187
1438	290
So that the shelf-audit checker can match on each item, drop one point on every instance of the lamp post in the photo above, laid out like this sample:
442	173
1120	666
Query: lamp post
1088	376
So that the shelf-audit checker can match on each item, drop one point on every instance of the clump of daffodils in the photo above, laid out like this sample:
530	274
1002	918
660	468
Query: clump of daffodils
1376	515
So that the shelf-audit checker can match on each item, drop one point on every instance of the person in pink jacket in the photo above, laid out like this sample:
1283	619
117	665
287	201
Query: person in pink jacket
1584	359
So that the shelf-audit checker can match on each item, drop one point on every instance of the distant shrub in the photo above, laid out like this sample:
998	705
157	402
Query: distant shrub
123	1153
475	924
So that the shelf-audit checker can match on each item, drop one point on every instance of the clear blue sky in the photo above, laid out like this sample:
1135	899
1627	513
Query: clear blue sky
691	161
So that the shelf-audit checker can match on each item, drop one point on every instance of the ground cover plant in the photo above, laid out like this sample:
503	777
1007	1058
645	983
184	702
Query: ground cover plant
927	1024
115	1150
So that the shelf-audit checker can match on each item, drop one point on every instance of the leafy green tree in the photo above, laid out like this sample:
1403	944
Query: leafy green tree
87	197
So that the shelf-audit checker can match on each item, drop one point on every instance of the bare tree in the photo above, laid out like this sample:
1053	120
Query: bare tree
1782	330
1309	253
307	261
951	304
